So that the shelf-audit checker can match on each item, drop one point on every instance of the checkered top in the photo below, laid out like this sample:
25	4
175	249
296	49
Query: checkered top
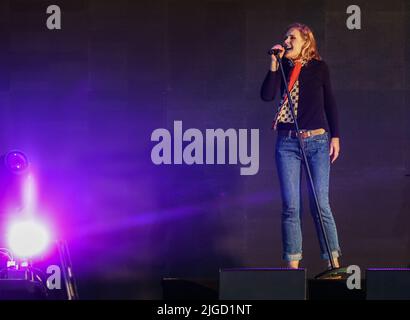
283	113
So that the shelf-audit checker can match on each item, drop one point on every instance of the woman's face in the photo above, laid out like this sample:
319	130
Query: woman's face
294	43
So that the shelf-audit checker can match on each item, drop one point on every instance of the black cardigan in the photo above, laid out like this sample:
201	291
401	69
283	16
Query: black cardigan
317	106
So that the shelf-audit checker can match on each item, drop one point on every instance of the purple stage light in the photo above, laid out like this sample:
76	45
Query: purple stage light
28	238
16	162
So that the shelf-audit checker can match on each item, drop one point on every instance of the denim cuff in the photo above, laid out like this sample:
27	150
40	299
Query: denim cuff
292	257
335	254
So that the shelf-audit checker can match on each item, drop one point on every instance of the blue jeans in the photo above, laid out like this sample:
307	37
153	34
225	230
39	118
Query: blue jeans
289	161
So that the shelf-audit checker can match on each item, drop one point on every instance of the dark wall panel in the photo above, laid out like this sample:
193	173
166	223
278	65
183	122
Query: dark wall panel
83	101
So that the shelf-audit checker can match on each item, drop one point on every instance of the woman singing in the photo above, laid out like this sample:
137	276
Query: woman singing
316	114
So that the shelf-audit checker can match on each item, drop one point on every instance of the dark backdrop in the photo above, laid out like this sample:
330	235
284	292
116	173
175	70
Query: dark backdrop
83	101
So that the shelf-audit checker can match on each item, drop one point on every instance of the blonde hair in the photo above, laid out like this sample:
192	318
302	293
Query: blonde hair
309	49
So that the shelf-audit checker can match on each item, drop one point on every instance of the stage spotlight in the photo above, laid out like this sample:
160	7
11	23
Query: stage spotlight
14	167
27	238
16	162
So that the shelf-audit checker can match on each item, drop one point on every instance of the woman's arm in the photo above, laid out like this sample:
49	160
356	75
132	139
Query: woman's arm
270	85
272	80
330	103
331	114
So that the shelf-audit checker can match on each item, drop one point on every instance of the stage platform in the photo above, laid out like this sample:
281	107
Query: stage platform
205	289
282	284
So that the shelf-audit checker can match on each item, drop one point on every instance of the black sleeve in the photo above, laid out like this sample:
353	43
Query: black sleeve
330	103
270	85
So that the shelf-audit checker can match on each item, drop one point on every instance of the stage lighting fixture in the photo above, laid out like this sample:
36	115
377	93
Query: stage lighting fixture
16	162
27	238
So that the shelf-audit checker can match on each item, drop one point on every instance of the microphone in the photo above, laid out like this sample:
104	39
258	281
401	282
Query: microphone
275	51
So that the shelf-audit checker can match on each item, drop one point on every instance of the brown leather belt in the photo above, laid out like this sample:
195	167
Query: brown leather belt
303	133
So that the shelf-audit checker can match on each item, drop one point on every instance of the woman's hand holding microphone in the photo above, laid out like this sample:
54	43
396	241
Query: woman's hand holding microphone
274	62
